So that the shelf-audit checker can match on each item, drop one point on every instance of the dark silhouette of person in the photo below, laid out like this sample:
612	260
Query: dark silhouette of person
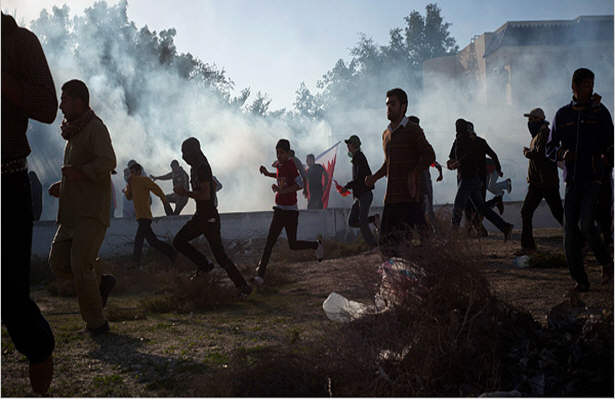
28	92
316	179
206	220
37	195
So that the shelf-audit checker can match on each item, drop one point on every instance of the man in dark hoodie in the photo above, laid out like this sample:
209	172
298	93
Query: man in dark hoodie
359	214
582	136
541	177
468	156
206	220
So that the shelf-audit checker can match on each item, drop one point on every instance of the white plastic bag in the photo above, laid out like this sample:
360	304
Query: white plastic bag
340	309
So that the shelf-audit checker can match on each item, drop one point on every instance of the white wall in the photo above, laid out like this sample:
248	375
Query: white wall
330	223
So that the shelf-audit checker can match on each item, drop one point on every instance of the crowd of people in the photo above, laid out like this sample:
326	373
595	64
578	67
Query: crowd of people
581	139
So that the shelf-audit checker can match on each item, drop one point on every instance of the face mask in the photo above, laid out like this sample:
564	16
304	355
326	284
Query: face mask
534	127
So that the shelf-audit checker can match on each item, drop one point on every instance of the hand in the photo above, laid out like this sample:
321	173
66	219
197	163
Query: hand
54	189
370	181
263	170
180	190
152	177
500	173
125	190
452	164
525	150
305	193
439	179
73	173
275	188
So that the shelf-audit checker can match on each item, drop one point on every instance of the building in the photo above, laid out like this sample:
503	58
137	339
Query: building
528	63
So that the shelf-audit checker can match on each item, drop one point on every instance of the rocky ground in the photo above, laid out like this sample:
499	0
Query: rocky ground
154	350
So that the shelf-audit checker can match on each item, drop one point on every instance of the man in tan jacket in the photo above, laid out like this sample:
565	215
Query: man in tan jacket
84	209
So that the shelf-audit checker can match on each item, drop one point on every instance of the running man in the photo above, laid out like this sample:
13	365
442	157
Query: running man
285	211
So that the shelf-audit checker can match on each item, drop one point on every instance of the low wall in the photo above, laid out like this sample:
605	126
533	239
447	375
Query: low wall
330	223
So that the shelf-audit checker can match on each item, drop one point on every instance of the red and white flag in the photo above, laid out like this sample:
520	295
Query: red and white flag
327	160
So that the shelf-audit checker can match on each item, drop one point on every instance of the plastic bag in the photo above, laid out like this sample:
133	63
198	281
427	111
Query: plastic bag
338	308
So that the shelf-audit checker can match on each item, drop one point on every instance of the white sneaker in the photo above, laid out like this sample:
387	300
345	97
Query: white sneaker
258	281
320	251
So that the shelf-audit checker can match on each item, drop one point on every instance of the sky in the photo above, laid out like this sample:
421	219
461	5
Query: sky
271	46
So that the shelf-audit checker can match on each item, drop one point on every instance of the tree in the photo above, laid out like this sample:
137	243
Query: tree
373	69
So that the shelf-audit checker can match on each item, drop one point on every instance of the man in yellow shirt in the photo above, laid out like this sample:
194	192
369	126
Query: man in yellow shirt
138	190
84	206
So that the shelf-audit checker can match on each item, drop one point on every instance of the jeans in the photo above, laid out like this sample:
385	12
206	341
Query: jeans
580	206
397	220
495	187
24	322
471	190
210	227
359	217
532	201
180	203
604	214
144	232
283	219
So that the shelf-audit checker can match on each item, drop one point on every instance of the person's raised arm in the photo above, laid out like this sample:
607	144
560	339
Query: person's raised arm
164	177
264	171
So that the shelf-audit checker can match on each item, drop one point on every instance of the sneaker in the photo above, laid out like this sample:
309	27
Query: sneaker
258	281
107	282
509	185
500	205
508	232
41	375
320	251
201	269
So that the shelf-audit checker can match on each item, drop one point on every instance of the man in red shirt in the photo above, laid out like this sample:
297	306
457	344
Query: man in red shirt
285	211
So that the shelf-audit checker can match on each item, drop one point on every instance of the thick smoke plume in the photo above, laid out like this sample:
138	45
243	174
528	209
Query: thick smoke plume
152	98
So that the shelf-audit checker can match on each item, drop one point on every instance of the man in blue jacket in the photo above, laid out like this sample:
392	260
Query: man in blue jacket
582	136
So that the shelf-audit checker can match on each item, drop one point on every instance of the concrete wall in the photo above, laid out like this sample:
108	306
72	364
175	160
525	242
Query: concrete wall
331	224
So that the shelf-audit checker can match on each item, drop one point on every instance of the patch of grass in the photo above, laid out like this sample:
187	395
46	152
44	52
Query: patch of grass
115	314
216	359
109	385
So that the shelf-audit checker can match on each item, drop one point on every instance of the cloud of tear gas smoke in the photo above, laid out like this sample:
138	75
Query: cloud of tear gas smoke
150	109
520	76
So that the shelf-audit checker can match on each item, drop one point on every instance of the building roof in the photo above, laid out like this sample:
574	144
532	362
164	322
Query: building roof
553	33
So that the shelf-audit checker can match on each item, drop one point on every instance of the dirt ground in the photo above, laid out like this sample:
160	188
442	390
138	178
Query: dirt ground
171	354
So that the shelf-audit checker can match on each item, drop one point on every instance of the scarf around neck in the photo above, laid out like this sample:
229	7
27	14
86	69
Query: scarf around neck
72	128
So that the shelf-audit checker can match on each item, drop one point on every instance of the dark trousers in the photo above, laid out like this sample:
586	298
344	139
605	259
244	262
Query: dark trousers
144	232
26	325
532	200
359	217
210	227
397	221
283	219
579	207
315	201
471	190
